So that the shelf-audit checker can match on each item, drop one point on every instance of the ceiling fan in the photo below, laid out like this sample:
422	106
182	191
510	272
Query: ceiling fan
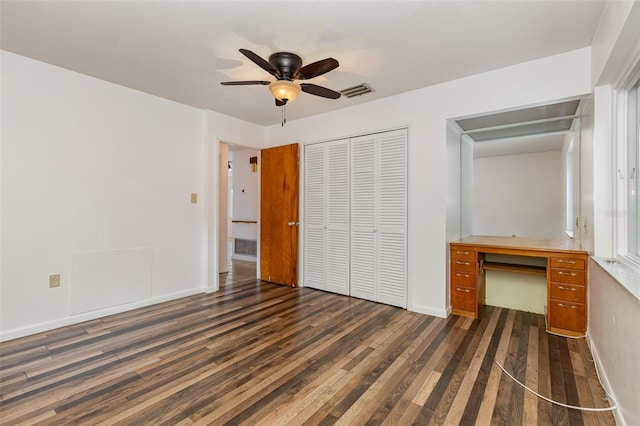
287	67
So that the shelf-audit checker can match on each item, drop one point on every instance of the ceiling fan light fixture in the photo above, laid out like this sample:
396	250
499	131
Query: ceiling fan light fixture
284	89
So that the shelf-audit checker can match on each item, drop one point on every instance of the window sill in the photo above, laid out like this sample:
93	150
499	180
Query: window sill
627	275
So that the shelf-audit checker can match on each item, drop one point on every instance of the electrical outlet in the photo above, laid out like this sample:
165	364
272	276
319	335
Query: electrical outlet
194	198
54	281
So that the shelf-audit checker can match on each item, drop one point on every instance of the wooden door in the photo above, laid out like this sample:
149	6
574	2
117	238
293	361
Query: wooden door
279	215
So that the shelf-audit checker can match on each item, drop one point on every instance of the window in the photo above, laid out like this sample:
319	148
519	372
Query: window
629	167
633	142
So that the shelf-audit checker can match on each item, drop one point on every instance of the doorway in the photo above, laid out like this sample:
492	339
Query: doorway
221	231
239	193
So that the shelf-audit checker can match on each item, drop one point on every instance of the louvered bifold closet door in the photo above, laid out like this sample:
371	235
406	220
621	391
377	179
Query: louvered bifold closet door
392	218
314	213
363	217
337	218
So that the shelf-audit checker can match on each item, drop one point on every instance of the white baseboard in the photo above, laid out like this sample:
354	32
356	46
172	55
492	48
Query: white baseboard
429	310
244	257
88	316
604	380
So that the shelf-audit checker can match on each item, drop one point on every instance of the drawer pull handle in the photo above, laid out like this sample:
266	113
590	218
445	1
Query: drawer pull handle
562	305
561	287
463	290
463	275
571	274
462	252
569	262
460	262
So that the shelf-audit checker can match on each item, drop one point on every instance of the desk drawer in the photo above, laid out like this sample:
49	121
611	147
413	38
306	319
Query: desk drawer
464	279
464	299
567	292
567	316
571	276
463	253
464	265
567	263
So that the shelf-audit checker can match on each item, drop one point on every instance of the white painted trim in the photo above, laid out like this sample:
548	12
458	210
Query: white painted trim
246	258
259	214
205	202
604	380
88	316
428	310
301	222
403	125
212	174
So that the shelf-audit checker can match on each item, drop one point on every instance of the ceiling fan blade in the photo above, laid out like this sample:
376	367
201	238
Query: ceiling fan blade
262	63
245	83
319	91
280	103
317	68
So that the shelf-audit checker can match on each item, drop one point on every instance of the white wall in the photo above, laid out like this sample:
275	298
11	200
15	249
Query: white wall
614	40
614	316
466	186
520	195
425	112
454	183
91	166
245	185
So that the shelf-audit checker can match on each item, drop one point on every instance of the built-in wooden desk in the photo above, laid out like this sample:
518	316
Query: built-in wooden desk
566	273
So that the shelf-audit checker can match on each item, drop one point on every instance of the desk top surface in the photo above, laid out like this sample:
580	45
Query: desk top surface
521	243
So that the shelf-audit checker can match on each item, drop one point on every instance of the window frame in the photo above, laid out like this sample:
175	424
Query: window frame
627	168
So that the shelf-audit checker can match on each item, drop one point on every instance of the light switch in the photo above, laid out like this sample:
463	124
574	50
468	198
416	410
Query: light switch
54	281
194	198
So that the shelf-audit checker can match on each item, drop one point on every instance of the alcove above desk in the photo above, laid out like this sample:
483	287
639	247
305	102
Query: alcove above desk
566	272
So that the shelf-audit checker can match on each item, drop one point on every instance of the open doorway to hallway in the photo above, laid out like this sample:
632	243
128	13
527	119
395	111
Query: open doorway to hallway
239	205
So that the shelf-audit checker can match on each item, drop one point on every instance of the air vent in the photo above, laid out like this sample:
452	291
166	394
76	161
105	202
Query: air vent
246	247
358	90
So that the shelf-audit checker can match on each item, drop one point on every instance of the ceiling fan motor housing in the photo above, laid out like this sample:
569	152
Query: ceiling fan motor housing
287	63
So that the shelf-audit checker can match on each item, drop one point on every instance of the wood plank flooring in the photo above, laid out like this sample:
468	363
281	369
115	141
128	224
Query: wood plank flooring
261	354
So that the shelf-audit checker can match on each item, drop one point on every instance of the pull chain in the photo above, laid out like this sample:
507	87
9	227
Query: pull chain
284	114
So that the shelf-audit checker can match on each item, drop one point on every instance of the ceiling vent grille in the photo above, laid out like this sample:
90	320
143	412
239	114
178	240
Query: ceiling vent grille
358	90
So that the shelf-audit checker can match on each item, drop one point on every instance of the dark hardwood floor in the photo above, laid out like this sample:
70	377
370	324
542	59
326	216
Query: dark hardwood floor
258	353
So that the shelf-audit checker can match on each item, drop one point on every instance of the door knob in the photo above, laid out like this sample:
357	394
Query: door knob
292	223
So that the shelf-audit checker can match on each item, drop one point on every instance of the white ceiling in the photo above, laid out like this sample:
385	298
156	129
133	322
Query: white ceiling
182	50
